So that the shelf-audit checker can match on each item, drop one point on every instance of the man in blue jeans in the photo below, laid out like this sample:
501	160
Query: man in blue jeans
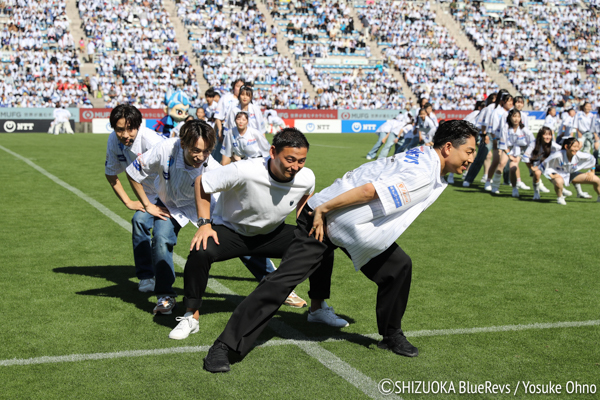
173	165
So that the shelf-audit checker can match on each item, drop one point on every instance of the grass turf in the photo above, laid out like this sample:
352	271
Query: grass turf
68	287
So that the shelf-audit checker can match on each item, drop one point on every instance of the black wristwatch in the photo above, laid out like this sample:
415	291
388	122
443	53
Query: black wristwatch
203	221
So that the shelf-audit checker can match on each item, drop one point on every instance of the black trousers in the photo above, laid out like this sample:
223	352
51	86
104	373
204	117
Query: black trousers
391	271
233	245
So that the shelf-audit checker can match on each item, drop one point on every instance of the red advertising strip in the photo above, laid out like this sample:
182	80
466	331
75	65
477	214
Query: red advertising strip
452	114
88	114
307	114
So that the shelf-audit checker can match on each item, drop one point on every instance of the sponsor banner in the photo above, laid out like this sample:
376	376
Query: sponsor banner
89	114
319	126
151	123
27	126
307	114
362	126
290	123
14	113
102	125
452	114
368	114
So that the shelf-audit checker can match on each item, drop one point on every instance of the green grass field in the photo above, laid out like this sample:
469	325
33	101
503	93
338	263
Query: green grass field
75	326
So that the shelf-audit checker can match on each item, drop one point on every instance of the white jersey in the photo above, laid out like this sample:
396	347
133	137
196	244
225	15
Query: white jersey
252	201
426	128
484	116
61	115
472	117
434	120
273	119
255	118
391	126
583	122
525	118
518	141
558	163
551	122
566	127
406	184
403	118
177	129
251	144
119	156
497	120
175	181
225	103
527	154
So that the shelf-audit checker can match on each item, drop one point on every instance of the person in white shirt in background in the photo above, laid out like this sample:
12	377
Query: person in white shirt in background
255	117
406	133
226	102
274	121
384	141
243	141
552	121
176	162
514	140
125	143
212	98
61	121
535	154
567	127
364	212
583	125
565	166
503	103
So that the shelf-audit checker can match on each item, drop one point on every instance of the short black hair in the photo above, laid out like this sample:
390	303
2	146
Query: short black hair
133	116
568	142
454	131
195	129
210	93
289	137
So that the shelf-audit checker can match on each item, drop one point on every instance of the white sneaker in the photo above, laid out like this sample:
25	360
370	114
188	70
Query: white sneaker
369	158
521	185
483	179
567	192
515	192
450	179
466	184
583	195
536	195
488	186
561	201
146	285
543	188
326	316
187	325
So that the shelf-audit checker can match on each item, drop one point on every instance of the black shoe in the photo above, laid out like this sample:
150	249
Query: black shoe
216	360
398	344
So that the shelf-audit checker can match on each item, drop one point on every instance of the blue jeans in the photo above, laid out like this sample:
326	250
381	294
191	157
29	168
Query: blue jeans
482	153
399	145
373	151
141	224
258	266
387	146
163	241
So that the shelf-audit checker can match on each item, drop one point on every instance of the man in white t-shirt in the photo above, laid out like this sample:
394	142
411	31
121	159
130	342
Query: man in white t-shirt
125	144
255	197
61	121
367	210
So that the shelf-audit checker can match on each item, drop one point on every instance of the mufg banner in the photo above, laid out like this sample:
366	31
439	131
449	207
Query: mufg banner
15	113
362	126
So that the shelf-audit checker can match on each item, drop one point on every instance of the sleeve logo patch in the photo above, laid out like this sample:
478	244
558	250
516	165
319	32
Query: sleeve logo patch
403	192
395	196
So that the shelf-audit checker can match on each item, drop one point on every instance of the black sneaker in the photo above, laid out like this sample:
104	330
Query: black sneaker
217	360
398	344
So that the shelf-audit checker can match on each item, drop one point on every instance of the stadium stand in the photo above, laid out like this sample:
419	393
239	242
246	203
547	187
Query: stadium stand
134	46
39	63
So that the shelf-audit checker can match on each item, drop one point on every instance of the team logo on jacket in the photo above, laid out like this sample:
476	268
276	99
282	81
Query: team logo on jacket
399	194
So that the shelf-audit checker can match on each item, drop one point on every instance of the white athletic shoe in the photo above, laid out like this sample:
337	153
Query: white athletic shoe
488	186
369	158
326	316
450	179
543	188
483	179
567	192
515	192
583	195
187	325
466	184
523	186
536	195
146	285
561	201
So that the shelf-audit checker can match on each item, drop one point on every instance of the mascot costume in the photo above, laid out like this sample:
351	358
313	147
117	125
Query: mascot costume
176	107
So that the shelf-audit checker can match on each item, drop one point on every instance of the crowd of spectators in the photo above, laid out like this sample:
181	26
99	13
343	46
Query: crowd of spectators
40	67
430	60
522	49
134	45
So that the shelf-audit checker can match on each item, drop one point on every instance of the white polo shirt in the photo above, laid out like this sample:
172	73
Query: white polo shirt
119	156
558	163
255	117
250	145
583	122
175	181
406	184
225	103
252	201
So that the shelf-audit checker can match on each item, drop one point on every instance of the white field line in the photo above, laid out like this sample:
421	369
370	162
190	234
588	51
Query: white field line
297	342
325	357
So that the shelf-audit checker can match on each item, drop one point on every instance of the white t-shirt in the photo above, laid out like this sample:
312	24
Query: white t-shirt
250	145
558	163
225	103
406	184
255	117
119	156
583	122
392	125
175	181
252	202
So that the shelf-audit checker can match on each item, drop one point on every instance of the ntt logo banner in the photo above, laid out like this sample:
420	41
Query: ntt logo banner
361	126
